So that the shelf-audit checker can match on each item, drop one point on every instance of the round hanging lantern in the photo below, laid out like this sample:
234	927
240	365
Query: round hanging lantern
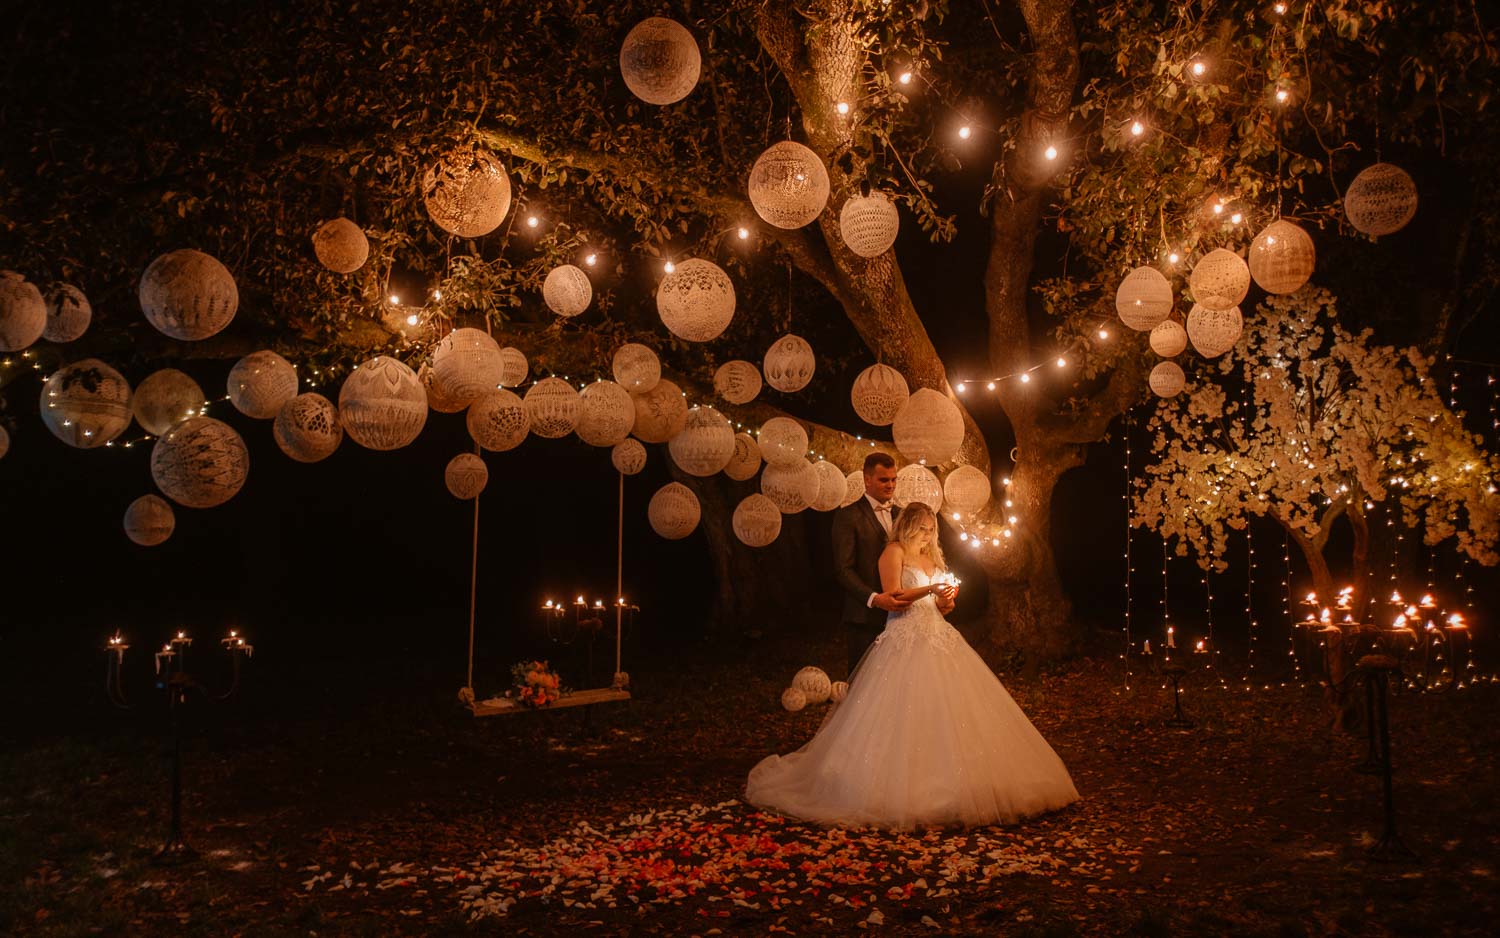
200	463
499	421
789	363
628	457
86	404
792	486
966	489
567	290
188	295
341	246
696	300
838	691
660	61
1167	379
757	521
1282	257
1144	298
782	441
552	406
1168	338
660	413
745	462
149	520
854	488
164	398
307	428
793	700
68	313
260	383
513	367
706	443
868	224
1220	279
606	414
830	486
878	394
4	442
382	405
918	484
814	685
438	398
466	476
467	192
466	364
674	511
738	381
636	368
23	312
1214	331
1381	200
788	185
929	428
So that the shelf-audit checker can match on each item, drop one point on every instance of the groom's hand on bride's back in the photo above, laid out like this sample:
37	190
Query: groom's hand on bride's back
889	603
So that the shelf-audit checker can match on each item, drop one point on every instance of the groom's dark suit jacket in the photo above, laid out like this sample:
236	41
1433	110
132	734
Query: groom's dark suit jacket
858	540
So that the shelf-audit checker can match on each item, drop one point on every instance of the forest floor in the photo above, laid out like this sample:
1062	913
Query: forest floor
398	814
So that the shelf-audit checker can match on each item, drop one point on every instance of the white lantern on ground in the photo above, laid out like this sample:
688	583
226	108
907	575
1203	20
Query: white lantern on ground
188	295
830	486
341	246
605	414
4	442
1282	257
438	398
838	691
260	383
1220	279
1381	200
1168	338
660	61
854	488
789	363
466	476
307	428
149	520
782	440
86	404
567	290
738	381
467	363
706	443
745	462
552	406
628	457
878	394
467	192
696	300
636	367
382	405
793	700
23	312
1144	298
513	367
918	484
868	224
200	463
68	313
757	521
792	486
1167	379
499	421
814	684
788	185
660	413
674	511
929	428
966	489
164	398
1214	331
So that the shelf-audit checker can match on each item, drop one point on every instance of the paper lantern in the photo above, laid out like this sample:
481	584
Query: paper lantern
149	520
1282	257
660	413
757	521
878	394
1214	331
605	414
792	486
188	295
307	428
68	313
868	224
200	463
1168	338
918	484
789	363
1167	379
854	488
966	489
1144	298
745	462
4	442
788	185
341	246
837	691
706	443
660	61
814	684
674	511
1381	200
738	381
696	300
782	440
23	312
499	421
793	699
513	367
164	398
438	398
467	192
552	406
830	486
260	383
382	405
86	404
567	290
466	476
467	363
1220	279
929	428
628	457
636	368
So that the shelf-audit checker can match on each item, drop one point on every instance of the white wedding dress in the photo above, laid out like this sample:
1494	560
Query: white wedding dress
927	736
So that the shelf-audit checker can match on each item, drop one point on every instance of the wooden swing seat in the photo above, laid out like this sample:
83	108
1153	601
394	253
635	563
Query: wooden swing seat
502	706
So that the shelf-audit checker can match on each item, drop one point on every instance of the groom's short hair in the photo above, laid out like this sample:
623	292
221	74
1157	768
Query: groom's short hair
878	461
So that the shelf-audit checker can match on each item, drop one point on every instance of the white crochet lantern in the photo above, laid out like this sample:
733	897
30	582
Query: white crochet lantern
696	300
878	394
260	383
23	312
438	398
149	520
854	488
1168	339
513	367
1167	379
382	405
308	429
164	398
793	700
814	684
628	457
788	185
660	413
605	414
706	443
918	484
789	363
674	511
86	404
868	224
966	489
757	521
792	486
200	463
738	381
567	290
1214	331
4	442
1381	200
838	691
660	61
341	246
467	363
68	313
467	192
636	367
1220	279
929	428
782	441
466	476
830	486
1282	257
1144	298
745	462
188	295
498	421
552	405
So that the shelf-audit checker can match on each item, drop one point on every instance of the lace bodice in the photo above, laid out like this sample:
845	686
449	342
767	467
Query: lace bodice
921	621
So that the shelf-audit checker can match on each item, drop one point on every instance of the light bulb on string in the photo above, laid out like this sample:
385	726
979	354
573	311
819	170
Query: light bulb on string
1282	95
1103	333
669	267
744	233
1198	69
1062	362
591	259
1236	218
990	386
1173	258
1025	377
842	107
532	221
961	387
1280	8
964	132
1050	153
904	78
395	300
411	320
1137	128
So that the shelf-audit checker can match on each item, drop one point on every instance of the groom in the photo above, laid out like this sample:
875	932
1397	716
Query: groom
860	533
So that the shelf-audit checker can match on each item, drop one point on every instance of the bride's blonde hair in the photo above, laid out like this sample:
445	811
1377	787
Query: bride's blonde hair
904	531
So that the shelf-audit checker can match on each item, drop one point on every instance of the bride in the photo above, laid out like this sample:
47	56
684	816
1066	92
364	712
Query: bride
928	735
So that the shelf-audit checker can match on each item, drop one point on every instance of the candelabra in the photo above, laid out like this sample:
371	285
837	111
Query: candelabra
586	619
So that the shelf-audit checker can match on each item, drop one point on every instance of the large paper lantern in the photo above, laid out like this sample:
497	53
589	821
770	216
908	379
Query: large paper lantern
605	414
814	684
745	462
660	413
792	486
149	520
1282	257
498	421
636	367
467	192
660	61
1220	279
918	484
86	404
260	383
854	488
466	476
1380	200
782	440
1144	298
1167	379
1214	331
628	457
188	295
200	463
1168	338
4	442
830	486
674	511
567	290
706	443
788	185
307	428
738	381
382	405
68	313
164	398
696	300
341	246
23	312
878	394
757	521
793	700
438	398
868	224
552	406
467	363
929	428
966	489
513	367
789	363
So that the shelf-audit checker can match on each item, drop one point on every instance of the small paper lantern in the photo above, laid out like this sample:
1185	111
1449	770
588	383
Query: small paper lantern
636	368
1282	257
164	398
788	185
1214	331
966	489
793	699
200	463
878	394
918	484
706	443
23	312
68	313
628	457
745	462
789	363
260	383
660	413
466	476
674	511
868	224
838	691
814	684
1167	379
605	414
499	421
1168	339
4	442
149	520
929	428
696	300
854	488
188	295
660	61
438	398
467	192
1144	298
567	290
467	363
1220	279
513	367
1381	200
307	428
552	405
757	521
830	486
782	441
738	381
341	246
382	405
792	486
86	404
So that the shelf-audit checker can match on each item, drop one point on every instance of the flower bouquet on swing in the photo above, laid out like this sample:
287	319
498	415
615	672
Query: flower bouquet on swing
534	684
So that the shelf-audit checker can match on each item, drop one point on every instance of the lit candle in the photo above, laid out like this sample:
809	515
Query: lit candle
1198	648
1171	637
1148	646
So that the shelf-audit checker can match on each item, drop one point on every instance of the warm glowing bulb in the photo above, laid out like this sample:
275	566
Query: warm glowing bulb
395	300
1062	363
990	386
1236	218
1050	153
1218	208
437	294
961	387
744	233
1282	94
1199	68
1137	128
843	107
904	78
955	516
963	132
1279	8
1026	378
411	320
533	221
668	267
1173	258
591	259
